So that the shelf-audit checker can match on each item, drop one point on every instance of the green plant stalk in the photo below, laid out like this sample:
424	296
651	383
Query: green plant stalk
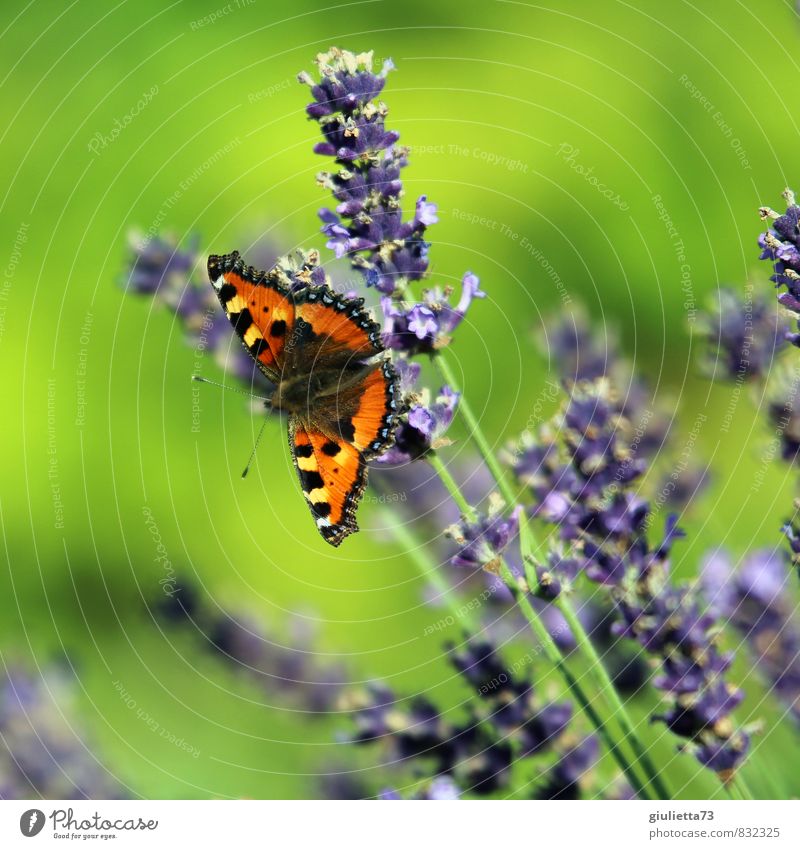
596	667
771	787
740	786
525	538
621	713
551	650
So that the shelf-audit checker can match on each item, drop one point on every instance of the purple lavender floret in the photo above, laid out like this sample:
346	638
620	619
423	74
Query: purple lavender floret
569	772
428	326
482	542
559	571
742	335
425	422
757	598
781	246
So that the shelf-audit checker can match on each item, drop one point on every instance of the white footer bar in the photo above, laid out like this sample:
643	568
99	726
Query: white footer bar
405	825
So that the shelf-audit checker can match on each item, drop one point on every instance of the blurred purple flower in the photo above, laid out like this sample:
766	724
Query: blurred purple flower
287	670
742	335
757	599
783	410
571	770
44	751
507	723
575	349
160	266
442	788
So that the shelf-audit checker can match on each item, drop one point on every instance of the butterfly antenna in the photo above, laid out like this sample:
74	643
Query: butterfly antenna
253	452
225	386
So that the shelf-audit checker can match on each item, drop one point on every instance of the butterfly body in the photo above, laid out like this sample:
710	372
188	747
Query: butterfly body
321	350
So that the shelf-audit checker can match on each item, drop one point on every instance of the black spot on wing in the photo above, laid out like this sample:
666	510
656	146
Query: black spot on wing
304	450
321	509
310	480
241	320
331	449
278	328
347	429
226	292
258	347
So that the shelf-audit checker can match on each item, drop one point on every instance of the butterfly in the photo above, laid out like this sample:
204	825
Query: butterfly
320	349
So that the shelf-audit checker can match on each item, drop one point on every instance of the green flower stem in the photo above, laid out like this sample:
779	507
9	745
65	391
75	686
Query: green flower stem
620	711
739	785
597	669
525	538
772	788
452	487
731	793
554	655
550	649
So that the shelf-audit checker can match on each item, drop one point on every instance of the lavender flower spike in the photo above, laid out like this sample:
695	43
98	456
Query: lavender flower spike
781	246
368	222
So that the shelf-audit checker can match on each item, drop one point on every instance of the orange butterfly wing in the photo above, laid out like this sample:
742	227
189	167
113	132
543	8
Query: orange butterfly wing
330	455
376	406
342	329
332	475
259	308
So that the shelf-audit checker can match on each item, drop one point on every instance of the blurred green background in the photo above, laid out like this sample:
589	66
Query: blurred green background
506	107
